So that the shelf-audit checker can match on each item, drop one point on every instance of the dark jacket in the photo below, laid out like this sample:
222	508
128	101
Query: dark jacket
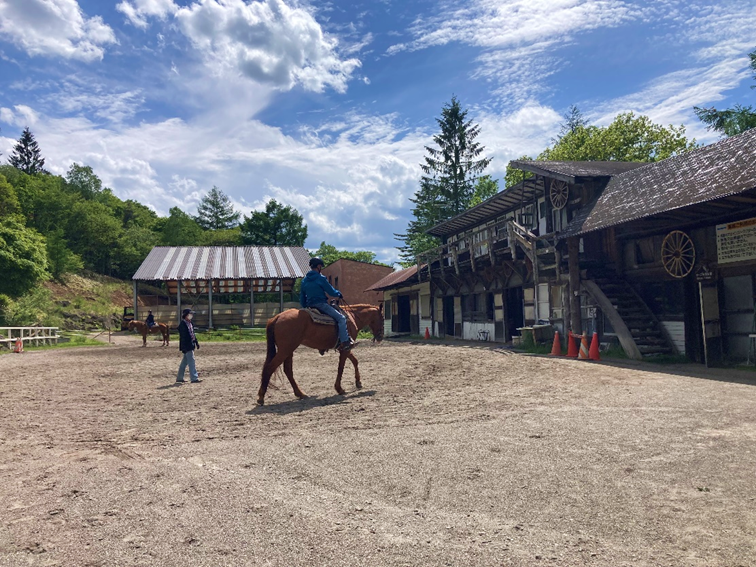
314	288
185	338
150	320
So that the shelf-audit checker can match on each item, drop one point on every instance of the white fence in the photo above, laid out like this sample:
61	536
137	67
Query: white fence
29	335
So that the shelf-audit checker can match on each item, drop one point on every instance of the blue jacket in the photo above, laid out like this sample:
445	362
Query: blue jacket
315	286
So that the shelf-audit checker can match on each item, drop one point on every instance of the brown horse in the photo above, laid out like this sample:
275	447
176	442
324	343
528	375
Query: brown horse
287	330
144	330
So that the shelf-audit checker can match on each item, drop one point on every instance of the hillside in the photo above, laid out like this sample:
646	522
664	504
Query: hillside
87	301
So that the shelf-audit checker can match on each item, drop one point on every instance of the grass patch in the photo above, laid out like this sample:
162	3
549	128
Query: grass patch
667	359
233	334
532	347
614	351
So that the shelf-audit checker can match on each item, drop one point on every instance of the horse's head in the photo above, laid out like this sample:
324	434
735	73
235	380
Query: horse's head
376	323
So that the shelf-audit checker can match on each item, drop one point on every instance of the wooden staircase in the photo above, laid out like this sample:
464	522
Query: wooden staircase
647	332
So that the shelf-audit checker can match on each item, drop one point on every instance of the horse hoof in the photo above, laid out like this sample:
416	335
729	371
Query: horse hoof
341	392
260	402
358	385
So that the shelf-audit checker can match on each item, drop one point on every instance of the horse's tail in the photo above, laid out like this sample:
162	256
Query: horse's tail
271	338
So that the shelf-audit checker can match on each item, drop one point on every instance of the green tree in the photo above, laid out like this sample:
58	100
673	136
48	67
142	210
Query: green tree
223	237
215	211
23	258
133	246
93	233
137	214
627	138
181	230
61	259
573	119
26	155
450	171
9	204
731	121
278	225
81	179
329	254
485	188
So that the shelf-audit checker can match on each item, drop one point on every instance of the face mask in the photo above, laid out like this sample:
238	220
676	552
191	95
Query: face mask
189	317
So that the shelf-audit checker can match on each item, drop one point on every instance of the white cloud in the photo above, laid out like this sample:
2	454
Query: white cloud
268	42
21	116
515	36
54	28
139	10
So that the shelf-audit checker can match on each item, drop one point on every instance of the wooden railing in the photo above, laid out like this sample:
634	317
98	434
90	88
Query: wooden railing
33	335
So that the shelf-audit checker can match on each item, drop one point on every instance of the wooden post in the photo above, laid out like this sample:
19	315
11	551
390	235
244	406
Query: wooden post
178	300
251	303
534	248
136	307
573	249
210	304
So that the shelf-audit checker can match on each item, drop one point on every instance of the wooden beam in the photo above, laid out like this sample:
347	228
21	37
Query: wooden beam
573	249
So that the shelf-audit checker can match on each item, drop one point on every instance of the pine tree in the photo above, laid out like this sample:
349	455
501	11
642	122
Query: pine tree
450	172
26	155
731	121
215	211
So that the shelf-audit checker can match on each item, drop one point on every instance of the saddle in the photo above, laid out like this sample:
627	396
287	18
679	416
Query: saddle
318	317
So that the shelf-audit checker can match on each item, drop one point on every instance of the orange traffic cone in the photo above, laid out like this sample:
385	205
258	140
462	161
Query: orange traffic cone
556	348
584	348
572	349
594	351
427	333
19	346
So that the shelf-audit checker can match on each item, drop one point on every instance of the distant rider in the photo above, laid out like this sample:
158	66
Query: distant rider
150	321
315	286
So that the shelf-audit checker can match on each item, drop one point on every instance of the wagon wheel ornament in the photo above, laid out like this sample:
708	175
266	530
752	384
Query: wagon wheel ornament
678	254
559	194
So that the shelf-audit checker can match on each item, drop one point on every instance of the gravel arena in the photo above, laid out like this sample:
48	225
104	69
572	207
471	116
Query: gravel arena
449	455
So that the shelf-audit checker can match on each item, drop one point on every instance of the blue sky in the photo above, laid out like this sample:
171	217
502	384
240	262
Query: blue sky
327	106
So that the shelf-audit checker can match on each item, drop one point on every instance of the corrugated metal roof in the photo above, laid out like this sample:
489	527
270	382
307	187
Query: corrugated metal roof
395	278
575	171
719	170
223	262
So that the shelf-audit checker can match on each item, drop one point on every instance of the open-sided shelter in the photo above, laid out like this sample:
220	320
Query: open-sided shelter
212	270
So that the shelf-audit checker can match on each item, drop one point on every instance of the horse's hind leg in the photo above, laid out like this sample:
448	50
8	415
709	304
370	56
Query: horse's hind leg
357	381
342	362
268	369
289	371
144	340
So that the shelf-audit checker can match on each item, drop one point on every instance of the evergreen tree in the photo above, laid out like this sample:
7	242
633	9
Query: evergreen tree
26	155
573	119
447	186
278	225
215	211
731	121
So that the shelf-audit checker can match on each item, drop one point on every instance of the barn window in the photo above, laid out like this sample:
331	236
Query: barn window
387	310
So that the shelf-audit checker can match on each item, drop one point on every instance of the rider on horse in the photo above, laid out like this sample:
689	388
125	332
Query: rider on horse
315	286
150	321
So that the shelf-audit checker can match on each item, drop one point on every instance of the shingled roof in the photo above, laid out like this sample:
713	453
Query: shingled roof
712	172
575	171
523	193
395	279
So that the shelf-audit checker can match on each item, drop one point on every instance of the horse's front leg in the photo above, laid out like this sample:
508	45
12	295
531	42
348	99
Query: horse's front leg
289	371
357	381
342	362
144	340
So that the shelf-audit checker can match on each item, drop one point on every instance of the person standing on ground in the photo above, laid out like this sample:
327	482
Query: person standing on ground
187	343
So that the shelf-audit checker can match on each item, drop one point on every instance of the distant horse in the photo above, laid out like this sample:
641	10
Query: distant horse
287	330
143	329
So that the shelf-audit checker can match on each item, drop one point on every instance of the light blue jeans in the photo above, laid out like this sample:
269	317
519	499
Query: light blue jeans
187	359
340	320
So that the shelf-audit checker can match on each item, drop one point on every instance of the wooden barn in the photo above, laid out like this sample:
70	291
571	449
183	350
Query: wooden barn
654	257
195	275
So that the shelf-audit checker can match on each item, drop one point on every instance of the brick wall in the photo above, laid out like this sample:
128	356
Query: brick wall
352	278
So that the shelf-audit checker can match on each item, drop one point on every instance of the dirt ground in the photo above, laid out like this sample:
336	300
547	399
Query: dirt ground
449	455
